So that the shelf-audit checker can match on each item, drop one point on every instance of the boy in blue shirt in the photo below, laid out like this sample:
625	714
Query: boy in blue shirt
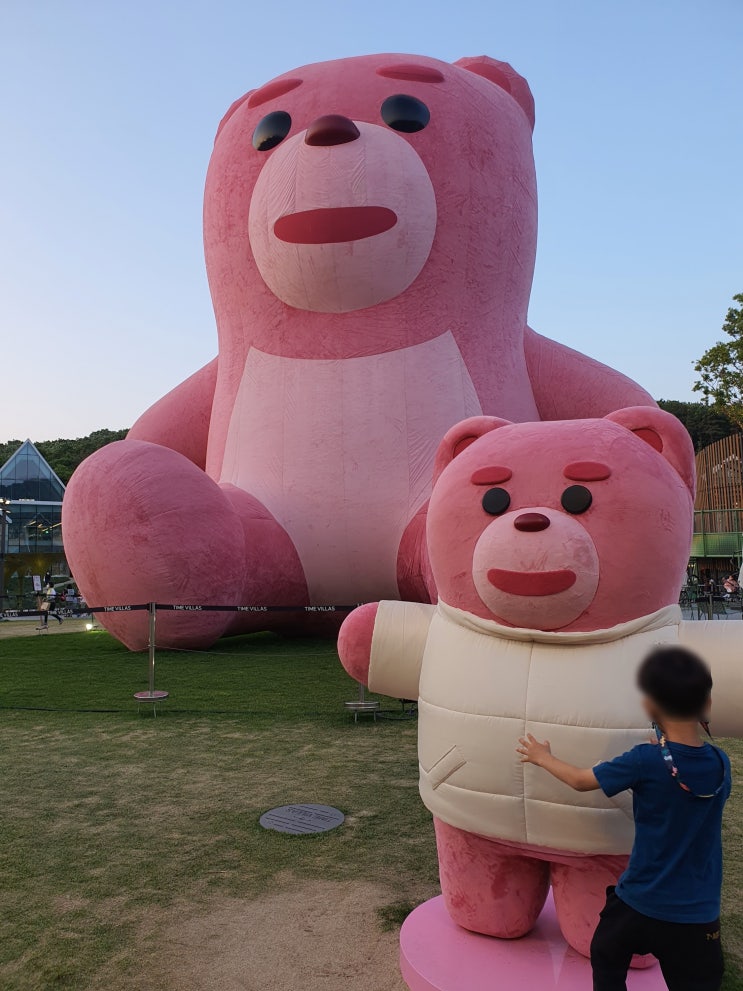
667	902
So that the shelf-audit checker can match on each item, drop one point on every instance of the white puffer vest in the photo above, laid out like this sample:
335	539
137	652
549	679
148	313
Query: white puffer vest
481	685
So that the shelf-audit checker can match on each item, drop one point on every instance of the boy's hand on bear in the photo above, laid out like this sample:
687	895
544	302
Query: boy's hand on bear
532	751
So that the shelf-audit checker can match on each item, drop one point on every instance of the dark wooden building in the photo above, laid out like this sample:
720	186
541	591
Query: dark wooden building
718	511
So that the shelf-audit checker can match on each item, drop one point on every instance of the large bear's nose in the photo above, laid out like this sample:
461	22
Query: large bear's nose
531	522
332	129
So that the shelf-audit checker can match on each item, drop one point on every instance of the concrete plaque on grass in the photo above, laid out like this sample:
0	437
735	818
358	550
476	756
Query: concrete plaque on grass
302	819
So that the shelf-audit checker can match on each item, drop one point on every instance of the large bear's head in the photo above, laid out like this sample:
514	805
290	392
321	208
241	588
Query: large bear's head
570	525
389	181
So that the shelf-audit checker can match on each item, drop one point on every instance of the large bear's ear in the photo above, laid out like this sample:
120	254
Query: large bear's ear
505	76
461	435
230	112
665	433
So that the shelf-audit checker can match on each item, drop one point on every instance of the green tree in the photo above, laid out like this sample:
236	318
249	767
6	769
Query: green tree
721	368
703	422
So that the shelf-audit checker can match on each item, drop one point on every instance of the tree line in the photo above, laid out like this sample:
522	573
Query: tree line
704	423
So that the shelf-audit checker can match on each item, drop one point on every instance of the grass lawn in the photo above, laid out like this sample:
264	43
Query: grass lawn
110	820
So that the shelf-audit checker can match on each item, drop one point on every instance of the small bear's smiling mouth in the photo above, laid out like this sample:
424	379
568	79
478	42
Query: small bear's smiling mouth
333	225
532	582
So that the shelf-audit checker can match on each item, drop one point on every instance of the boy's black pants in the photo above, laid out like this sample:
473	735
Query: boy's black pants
689	954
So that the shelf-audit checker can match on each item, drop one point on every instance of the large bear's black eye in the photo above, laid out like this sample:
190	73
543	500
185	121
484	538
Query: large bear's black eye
576	499
496	501
405	113
271	130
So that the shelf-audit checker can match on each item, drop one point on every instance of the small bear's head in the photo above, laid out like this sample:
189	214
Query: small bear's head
572	525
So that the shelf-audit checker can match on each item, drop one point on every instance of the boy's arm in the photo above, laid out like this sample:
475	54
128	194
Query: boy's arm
534	752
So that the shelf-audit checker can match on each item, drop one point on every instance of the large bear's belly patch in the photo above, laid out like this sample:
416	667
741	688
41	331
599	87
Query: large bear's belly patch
341	453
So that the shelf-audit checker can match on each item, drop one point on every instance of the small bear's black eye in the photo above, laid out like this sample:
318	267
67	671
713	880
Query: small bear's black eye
576	499
272	130
405	113
496	501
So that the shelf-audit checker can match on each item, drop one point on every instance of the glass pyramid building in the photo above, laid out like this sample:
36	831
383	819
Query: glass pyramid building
31	496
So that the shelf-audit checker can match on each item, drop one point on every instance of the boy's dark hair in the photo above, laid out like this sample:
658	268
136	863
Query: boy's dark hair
677	681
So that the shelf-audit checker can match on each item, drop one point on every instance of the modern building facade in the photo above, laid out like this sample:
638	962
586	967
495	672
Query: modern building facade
718	511
31	500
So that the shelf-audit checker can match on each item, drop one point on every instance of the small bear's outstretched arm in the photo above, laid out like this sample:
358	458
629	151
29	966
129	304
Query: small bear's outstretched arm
719	644
381	644
568	385
180	420
355	641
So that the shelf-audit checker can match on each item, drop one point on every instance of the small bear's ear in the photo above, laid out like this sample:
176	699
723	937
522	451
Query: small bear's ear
505	76
663	432
230	112
461	435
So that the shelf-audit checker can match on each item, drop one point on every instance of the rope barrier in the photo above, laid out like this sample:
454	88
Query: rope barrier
179	607
152	608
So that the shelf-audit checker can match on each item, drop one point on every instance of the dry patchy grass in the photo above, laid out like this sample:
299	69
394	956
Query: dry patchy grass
127	840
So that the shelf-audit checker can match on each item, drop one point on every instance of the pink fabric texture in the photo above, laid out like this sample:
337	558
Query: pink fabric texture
621	571
499	889
370	286
438	955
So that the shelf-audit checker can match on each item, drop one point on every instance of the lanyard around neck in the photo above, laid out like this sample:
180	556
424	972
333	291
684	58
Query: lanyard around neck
671	764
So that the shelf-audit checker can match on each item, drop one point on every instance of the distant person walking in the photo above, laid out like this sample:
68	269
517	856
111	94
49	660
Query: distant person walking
47	608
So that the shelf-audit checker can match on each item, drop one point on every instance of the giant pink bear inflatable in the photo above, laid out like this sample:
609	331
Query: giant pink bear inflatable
558	550
370	231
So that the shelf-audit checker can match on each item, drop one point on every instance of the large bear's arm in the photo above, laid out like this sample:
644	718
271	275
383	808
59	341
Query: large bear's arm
568	385
180	420
721	646
382	644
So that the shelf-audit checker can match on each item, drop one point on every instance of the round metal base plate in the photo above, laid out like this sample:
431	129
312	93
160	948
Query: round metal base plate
369	705
302	819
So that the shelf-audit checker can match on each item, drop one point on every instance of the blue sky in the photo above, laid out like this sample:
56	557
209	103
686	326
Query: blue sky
109	111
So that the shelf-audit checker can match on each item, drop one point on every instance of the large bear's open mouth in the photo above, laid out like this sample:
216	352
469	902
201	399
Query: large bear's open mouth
532	582
333	225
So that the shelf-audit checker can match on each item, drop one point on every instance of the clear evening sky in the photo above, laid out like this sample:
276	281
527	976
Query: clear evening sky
107	117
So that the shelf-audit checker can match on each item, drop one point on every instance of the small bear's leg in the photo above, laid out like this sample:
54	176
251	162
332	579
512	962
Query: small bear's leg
579	889
487	887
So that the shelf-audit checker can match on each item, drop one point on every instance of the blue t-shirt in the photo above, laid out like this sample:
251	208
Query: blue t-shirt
675	870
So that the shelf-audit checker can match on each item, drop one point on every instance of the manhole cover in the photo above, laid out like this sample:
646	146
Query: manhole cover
299	819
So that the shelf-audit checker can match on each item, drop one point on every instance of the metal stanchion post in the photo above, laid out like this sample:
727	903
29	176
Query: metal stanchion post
152	616
362	704
151	695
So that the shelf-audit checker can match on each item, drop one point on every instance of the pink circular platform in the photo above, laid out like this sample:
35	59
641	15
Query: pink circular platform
437	955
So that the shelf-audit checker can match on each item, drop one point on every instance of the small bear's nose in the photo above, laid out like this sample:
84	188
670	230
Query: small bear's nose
332	129
531	522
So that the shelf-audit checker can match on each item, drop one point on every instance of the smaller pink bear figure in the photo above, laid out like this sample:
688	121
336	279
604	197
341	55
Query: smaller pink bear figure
558	550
